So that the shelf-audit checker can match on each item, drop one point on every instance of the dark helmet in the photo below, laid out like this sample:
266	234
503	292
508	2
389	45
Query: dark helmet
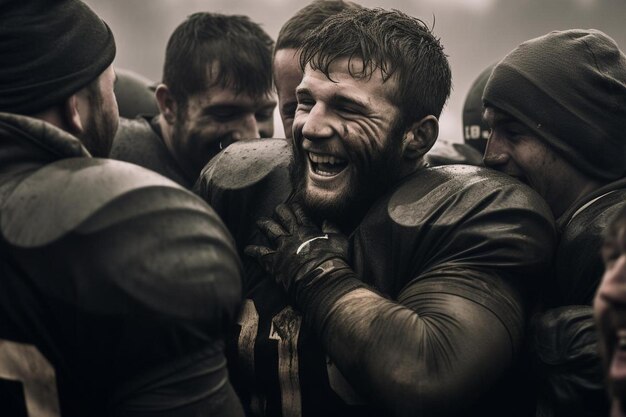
475	131
135	94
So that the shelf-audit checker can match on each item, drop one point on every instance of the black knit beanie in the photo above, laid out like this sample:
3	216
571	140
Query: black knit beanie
569	88
475	130
50	49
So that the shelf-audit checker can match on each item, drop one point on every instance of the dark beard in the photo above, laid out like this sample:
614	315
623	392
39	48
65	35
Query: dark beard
99	133
373	181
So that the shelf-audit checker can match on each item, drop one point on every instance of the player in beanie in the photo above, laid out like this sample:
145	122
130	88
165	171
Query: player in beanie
117	284
556	107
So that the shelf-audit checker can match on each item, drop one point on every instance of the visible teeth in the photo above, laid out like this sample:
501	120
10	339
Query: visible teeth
324	173
324	159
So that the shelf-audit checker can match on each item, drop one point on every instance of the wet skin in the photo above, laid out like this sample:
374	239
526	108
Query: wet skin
346	133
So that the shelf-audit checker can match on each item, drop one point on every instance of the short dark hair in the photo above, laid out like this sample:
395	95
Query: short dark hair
230	51
389	41
310	17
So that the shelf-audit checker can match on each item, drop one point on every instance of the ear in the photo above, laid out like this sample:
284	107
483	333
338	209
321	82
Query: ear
420	137
166	102
71	115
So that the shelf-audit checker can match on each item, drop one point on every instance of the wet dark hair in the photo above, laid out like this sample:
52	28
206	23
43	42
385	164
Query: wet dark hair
392	43
211	49
300	25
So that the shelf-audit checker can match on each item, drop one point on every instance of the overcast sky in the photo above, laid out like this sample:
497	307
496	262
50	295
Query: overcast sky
474	33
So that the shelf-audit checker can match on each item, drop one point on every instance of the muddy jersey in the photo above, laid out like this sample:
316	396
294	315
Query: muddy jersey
459	230
569	369
117	286
578	262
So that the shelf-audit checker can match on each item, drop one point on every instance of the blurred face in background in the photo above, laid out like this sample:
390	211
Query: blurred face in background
610	313
215	118
287	76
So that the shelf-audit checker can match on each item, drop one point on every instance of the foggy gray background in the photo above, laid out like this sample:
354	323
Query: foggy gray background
474	33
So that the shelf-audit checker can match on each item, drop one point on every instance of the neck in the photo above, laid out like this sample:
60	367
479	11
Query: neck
576	192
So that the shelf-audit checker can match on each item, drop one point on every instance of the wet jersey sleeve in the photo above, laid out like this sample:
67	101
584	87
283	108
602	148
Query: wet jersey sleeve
449	333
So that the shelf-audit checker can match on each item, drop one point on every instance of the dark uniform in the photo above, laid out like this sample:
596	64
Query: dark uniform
570	372
116	286
140	142
579	265
461	231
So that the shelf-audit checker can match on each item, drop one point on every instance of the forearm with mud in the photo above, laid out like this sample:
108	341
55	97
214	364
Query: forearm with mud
429	358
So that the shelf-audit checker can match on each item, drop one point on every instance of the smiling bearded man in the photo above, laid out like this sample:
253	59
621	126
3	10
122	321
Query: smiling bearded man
413	302
339	180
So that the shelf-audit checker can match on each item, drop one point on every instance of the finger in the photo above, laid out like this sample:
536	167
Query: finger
300	214
270	229
257	252
328	227
286	217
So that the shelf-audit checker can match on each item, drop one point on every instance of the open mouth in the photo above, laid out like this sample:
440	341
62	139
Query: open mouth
617	369
326	165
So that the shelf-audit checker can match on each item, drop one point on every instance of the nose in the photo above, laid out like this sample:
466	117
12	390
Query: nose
317	124
613	285
247	128
496	152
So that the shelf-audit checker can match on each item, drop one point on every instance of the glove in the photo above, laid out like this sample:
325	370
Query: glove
309	262
302	251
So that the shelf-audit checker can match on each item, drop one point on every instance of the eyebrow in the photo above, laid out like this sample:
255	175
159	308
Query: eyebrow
336	99
222	107
343	100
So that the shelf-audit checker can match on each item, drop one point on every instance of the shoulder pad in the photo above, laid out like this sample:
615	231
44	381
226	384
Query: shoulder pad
447	153
128	127
246	163
57	198
246	181
459	189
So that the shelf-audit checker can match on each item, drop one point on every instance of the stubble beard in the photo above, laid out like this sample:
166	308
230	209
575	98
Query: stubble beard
368	184
99	133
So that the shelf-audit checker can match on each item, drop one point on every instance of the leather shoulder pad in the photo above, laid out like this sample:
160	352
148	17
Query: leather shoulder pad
448	153
57	198
247	181
459	189
246	163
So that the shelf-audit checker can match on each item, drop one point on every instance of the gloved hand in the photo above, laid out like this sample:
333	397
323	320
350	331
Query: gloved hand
301	252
